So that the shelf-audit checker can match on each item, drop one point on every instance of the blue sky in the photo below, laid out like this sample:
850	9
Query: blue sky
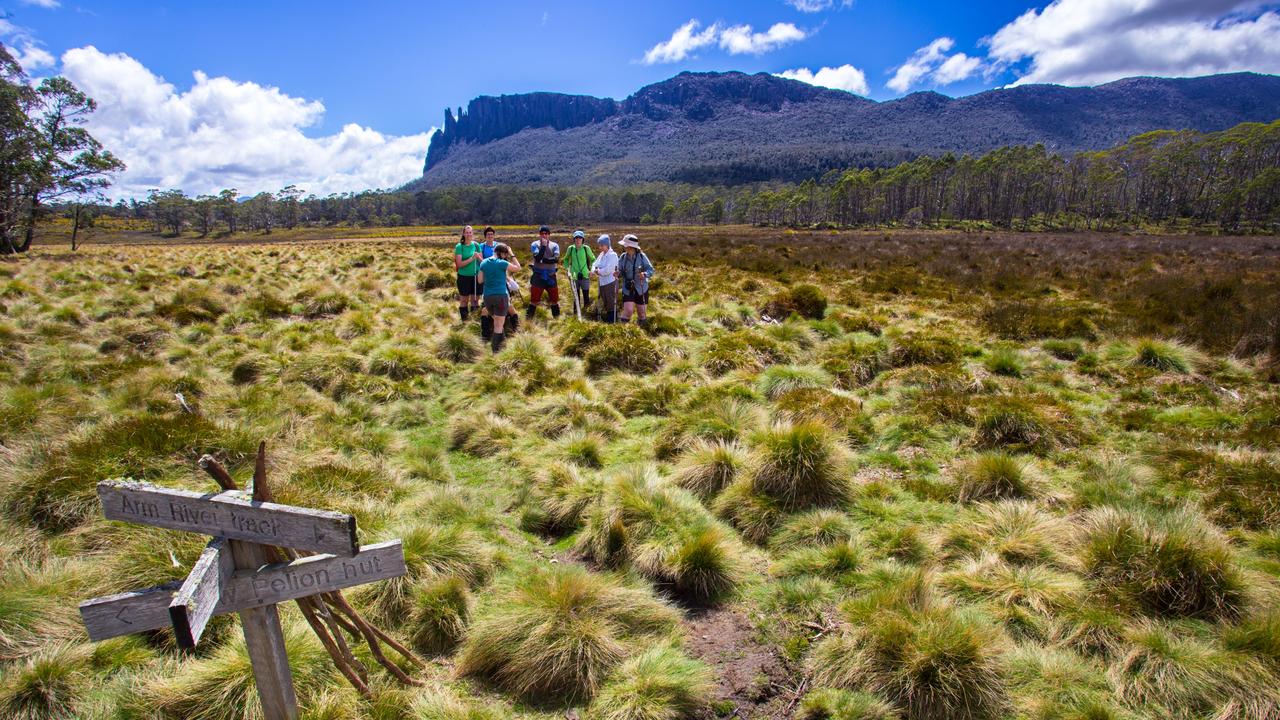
340	96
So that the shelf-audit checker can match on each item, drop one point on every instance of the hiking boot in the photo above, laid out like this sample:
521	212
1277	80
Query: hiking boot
555	311
486	327
496	342
462	313
529	310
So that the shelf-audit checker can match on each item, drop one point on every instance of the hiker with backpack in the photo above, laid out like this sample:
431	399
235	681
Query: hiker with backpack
466	260
497	295
634	271
578	260
546	263
604	267
487	247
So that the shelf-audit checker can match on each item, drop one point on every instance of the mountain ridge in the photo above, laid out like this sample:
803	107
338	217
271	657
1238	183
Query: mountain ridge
729	128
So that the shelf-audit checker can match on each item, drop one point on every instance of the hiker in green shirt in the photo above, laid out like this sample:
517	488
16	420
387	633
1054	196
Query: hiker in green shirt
467	255
578	260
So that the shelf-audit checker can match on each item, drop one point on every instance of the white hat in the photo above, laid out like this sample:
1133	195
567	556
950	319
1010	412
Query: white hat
631	241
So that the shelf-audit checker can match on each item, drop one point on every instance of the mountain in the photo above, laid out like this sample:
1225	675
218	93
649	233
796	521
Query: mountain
730	128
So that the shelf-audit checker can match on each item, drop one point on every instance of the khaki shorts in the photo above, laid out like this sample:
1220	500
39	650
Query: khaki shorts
497	304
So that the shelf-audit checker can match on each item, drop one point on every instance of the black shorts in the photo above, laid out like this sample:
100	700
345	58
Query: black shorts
497	305
467	285
631	296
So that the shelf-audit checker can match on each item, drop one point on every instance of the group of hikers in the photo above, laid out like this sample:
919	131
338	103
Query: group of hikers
485	286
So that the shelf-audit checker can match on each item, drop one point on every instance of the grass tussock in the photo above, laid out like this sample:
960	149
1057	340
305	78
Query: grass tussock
441	611
556	635
708	467
799	466
995	476
482	435
720	420
48	686
659	684
831	704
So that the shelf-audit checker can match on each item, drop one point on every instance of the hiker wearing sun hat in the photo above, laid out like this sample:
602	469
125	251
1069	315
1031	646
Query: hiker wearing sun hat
604	267
635	271
546	262
578	260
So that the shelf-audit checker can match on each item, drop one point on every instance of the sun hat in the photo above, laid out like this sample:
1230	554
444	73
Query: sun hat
544	229
579	234
631	241
603	240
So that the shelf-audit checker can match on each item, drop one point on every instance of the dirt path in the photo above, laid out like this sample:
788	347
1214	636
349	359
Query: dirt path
752	679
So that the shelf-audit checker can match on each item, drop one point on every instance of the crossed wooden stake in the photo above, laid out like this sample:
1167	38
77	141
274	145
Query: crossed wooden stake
251	564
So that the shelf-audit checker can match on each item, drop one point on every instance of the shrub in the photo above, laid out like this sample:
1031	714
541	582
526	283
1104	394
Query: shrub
779	379
49	686
557	634
906	644
1014	423
723	420
1171	565
458	347
1005	361
708	467
829	704
995	476
799	465
1161	355
1186	678
807	301
441	610
659	684
919	348
815	527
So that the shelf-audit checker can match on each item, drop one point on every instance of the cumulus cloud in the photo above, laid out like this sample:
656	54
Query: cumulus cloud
24	47
736	40
816	6
1087	42
742	40
845	77
223	133
932	63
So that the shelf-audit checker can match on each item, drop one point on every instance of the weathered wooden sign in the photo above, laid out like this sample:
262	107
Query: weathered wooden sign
248	568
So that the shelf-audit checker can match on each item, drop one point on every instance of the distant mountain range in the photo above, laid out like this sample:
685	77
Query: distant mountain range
732	128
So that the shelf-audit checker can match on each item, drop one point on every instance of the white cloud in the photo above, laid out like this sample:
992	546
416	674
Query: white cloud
50	4
816	6
741	40
1088	42
24	47
845	77
736	40
683	42
223	133
932	64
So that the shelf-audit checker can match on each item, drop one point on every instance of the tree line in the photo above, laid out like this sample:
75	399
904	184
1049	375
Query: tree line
1229	180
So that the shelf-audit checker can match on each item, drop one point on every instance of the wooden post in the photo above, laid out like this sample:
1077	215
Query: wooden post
264	640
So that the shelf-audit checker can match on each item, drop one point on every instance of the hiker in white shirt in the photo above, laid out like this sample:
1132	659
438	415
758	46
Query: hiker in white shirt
603	268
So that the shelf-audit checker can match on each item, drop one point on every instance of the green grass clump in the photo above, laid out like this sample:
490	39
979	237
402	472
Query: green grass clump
1069	350
572	410
249	369
1162	355
709	466
654	396
458	346
1016	531
995	476
826	561
905	643
48	686
1014	423
562	494
607	347
557	634
854	363
1186	678
432	551
836	409
830	704
441	611
755	516
265	305
665	534
434	279
1005	361
481	435
807	301
921	348
191	304
585	449
815	527
779	379
402	362
722	420
799	465
318	301
62	491
659	684
1235	487
1169	565
741	350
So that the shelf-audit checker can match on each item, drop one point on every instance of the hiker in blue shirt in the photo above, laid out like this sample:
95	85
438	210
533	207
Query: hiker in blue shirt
635	271
497	298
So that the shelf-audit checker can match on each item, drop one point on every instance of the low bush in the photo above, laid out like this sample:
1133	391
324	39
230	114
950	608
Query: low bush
799	466
1170	565
807	301
557	634
660	683
905	643
708	467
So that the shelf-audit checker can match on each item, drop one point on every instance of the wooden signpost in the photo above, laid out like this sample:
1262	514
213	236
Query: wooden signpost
248	568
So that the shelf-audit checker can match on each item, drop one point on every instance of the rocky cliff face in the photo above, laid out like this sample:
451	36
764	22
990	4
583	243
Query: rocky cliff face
732	127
